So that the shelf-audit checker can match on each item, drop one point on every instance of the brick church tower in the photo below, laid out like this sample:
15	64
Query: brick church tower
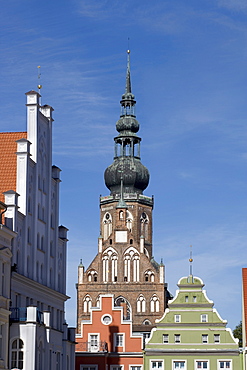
124	264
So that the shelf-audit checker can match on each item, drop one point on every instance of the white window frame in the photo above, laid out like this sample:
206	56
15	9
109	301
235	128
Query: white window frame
201	360
167	338
119	367
204	338
224	360
217	336
179	360
116	335
204	317
92	347
154	360
178	337
88	367
133	367
177	318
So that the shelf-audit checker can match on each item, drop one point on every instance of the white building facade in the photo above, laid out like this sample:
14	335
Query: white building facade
39	337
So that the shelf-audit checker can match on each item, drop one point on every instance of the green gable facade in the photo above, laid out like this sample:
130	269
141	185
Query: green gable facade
191	335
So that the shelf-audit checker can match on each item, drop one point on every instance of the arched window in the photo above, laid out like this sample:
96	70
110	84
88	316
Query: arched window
144	225
154	304
123	302
42	243
87	303
38	241
17	354
121	215
141	304
129	220
131	265
107	225
92	276
109	261
149	276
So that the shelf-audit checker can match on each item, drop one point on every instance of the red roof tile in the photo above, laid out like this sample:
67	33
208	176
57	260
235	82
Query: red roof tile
8	147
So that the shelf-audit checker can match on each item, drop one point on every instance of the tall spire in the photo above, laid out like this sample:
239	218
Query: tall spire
128	82
127	174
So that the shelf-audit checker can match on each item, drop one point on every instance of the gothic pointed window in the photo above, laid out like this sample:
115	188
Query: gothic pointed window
107	225
141	304
123	302
87	303
131	265
144	225
110	261
129	220
154	304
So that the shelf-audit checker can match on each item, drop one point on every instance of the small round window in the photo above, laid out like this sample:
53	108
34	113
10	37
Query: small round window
106	319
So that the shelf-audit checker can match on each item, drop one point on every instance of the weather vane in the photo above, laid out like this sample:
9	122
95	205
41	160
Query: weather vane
191	260
39	77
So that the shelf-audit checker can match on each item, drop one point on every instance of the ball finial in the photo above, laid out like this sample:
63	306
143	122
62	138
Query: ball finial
128	51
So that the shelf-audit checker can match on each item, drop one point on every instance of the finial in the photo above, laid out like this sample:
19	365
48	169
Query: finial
191	260
39	75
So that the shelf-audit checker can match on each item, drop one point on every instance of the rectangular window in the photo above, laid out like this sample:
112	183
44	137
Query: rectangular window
119	340
177	338
204	338
204	318
194	299
226	364
177	318
88	367
216	338
179	365
201	365
116	367
165	338
186	299
135	367
154	364
93	342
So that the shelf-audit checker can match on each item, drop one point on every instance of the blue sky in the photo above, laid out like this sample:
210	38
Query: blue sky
188	68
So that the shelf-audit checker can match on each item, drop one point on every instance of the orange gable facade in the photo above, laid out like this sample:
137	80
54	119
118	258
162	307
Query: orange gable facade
8	160
106	340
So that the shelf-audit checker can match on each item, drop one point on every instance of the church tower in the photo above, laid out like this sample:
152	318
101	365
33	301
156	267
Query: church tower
124	265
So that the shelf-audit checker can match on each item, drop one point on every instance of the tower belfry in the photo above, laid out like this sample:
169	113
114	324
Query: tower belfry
124	264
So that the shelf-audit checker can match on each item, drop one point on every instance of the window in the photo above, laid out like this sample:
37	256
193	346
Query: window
135	367
17	354
154	304
165	338
106	319
141	304
93	342
154	364
194	299
186	299
88	367
116	367
204	338
226	364
216	338
177	338
177	318
201	365
119	340
179	365
204	318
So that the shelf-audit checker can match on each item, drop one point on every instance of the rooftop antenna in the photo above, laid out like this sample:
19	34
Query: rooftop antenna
191	260
39	77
